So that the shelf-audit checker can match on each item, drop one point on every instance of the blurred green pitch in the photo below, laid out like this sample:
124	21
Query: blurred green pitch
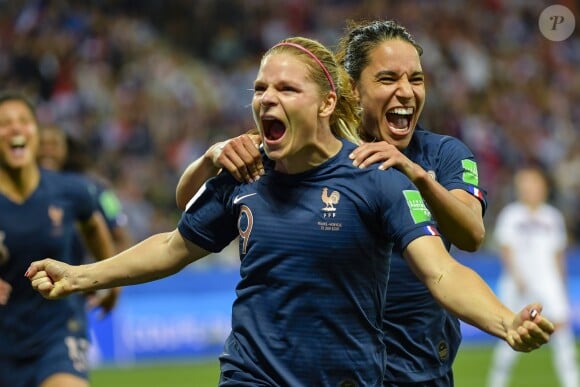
471	367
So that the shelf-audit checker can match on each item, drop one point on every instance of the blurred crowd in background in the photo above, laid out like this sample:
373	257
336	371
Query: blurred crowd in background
150	84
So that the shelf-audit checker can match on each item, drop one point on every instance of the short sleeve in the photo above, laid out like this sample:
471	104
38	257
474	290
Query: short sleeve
458	169
405	214
208	220
82	195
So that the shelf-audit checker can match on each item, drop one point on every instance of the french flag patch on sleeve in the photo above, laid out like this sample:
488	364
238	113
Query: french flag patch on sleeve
431	230
476	192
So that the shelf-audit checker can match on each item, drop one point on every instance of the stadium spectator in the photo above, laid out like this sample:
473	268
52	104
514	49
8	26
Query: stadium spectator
114	73
42	343
318	294
531	235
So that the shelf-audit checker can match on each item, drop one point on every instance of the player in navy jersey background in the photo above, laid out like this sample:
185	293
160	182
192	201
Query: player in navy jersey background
315	234
60	151
383	60
41	343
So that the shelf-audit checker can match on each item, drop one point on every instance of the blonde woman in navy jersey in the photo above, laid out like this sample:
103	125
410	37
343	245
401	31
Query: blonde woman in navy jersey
42	344
315	235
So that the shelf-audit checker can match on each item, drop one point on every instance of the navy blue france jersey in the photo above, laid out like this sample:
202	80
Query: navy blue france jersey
422	338
42	226
314	251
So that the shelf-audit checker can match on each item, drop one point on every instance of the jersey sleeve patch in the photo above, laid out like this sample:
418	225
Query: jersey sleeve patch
470	175
431	230
417	208
110	204
476	192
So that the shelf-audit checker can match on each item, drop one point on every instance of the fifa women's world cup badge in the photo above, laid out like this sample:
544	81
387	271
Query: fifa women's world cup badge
4	255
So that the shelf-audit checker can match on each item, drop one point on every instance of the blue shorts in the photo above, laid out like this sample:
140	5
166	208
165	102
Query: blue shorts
66	355
444	381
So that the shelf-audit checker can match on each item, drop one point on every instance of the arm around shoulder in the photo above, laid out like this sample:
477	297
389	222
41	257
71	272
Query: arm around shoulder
239	156
193	178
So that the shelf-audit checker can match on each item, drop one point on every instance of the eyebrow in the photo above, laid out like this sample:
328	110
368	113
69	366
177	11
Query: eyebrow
395	74
279	83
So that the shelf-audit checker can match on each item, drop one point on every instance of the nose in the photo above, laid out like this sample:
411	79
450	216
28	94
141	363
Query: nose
404	89
269	97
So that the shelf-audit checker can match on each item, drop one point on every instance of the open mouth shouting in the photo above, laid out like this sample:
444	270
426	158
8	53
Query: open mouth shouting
273	128
17	146
400	120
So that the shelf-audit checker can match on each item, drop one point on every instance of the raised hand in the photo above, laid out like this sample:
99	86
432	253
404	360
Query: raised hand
51	278
529	330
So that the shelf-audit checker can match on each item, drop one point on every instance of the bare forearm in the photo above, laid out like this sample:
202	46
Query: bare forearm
463	293
149	260
192	179
461	224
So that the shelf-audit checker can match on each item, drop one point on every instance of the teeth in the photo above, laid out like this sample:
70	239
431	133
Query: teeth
402	111
18	141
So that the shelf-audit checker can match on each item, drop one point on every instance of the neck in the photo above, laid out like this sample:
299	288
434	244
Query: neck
309	156
18	184
533	206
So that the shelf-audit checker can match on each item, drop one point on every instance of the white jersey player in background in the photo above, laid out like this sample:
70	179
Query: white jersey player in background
531	235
